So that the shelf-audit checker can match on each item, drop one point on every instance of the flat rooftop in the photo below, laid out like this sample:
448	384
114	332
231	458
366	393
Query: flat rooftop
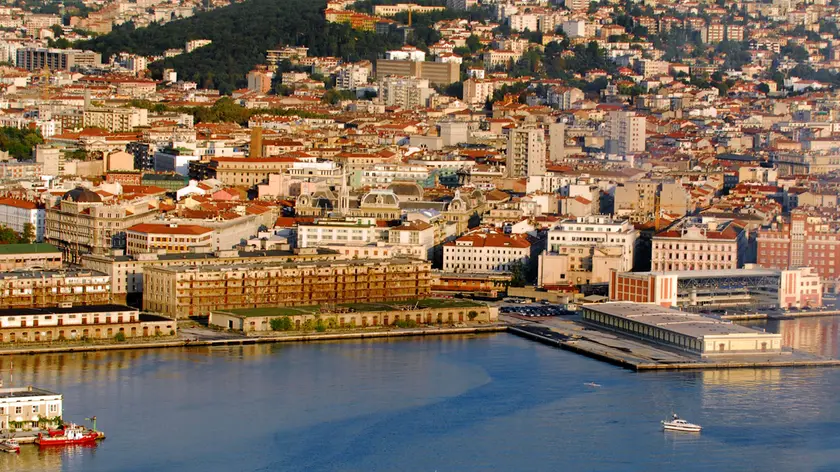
64	311
49	274
200	256
35	248
356	307
291	265
688	324
709	274
24	392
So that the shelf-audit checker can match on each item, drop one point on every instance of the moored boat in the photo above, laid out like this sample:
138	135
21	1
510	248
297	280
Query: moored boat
679	424
69	437
9	445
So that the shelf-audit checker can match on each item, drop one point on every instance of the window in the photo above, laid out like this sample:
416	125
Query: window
18	410
34	408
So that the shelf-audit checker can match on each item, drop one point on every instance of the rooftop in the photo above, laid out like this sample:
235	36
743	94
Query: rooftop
63	311
357	307
39	248
24	392
689	324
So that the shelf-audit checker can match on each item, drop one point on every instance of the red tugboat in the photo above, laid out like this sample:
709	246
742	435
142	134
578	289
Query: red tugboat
67	436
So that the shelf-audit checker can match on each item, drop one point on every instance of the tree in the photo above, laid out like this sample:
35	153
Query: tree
119	337
472	315
28	233
518	275
763	88
281	324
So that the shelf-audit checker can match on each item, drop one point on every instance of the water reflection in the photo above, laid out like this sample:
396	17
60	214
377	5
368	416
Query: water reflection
817	335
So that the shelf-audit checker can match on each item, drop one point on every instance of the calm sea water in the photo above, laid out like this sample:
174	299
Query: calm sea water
472	403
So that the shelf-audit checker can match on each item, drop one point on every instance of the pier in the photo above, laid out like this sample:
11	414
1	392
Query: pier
636	355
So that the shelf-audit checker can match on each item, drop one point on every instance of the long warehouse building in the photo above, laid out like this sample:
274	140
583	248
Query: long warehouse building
689	332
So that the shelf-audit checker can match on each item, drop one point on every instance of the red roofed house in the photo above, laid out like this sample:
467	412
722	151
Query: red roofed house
483	251
169	238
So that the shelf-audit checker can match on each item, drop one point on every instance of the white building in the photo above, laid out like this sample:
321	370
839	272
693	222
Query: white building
352	231
405	92
626	133
29	407
15	214
486	251
352	77
406	53
556	142
523	21
574	28
174	160
526	152
586	249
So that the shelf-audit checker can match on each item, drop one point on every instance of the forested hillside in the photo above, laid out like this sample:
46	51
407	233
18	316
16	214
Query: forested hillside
241	33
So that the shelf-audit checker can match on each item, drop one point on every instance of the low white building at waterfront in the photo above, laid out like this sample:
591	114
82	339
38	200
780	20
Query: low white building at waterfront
693	333
29	407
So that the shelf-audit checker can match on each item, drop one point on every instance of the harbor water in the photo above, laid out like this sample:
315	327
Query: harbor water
454	403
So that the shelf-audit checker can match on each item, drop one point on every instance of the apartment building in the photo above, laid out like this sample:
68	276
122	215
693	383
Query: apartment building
184	291
417	235
700	246
526	152
37	256
115	119
82	223
19	215
802	240
34	58
437	73
125	272
352	76
585	249
349	231
22	325
167	238
625	133
240	171
51	288
484	251
405	92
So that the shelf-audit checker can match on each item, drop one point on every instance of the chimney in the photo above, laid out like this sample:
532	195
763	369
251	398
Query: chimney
256	142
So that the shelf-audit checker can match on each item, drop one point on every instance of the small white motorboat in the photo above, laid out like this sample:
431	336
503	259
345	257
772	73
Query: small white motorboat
592	384
679	424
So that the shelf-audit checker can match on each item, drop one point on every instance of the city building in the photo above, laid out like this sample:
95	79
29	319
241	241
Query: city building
585	249
428	311
35	58
405	92
626	133
29	407
183	291
712	289
22	216
168	238
39	256
700	246
556	142
115	119
437	73
483	251
125	272
106	321
694	334
526	152
349	231
82	223
802	240
51	288
248	171
352	76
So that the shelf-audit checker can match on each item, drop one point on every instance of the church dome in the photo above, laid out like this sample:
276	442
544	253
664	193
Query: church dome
82	195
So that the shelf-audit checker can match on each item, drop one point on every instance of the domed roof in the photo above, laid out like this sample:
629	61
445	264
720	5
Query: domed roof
82	195
379	197
406	189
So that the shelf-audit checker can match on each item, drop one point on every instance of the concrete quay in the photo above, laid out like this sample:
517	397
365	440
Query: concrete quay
226	339
788	315
571	335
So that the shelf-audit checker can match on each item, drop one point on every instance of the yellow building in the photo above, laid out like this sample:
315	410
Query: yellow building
185	291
